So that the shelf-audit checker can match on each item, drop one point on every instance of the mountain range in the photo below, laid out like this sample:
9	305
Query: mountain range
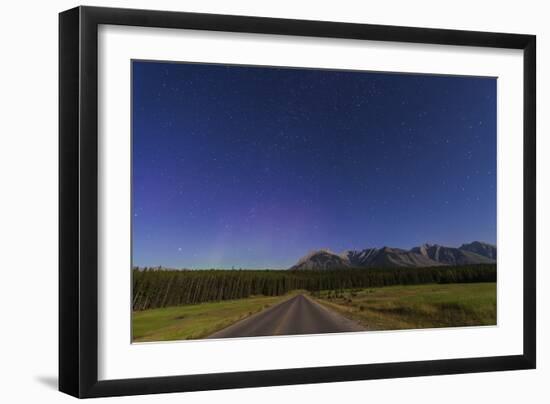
426	255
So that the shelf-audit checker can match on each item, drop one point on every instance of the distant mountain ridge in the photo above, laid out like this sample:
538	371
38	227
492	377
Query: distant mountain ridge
426	255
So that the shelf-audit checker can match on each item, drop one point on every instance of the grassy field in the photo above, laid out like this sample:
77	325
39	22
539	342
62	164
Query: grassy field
416	306
382	308
197	320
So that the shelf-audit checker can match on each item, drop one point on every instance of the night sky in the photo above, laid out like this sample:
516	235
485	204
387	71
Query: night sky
254	167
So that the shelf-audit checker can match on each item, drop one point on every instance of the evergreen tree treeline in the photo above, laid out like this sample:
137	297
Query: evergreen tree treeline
156	288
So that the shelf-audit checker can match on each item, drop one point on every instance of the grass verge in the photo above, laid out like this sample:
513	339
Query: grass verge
195	321
416	306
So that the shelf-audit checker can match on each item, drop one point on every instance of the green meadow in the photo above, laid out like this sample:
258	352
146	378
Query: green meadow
416	306
196	320
378	308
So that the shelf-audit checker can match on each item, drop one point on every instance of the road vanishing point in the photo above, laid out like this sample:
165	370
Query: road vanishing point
297	315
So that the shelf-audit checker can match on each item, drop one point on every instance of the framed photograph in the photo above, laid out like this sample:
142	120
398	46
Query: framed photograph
251	201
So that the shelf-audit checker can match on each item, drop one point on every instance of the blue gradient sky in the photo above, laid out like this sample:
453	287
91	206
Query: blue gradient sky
253	167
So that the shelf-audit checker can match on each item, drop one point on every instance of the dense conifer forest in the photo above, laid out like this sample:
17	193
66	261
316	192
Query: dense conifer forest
157	287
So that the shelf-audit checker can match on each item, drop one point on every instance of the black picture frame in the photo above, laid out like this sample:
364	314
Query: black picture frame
78	201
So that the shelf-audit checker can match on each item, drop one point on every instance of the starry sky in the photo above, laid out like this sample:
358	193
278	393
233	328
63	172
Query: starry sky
254	167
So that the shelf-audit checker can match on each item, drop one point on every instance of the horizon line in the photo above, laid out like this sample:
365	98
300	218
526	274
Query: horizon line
236	268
